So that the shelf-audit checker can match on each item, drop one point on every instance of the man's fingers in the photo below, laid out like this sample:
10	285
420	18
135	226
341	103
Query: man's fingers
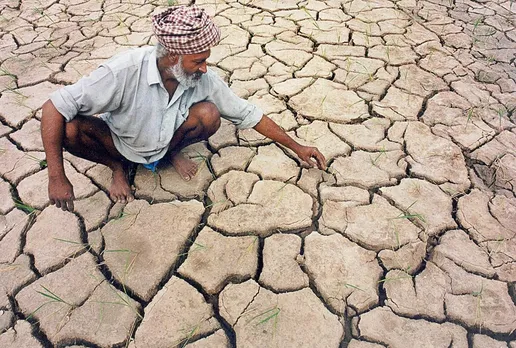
52	202
70	205
310	162
321	161
58	203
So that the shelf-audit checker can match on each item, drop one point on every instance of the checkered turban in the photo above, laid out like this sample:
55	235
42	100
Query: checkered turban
185	30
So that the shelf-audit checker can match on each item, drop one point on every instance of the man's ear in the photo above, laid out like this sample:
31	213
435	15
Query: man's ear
173	59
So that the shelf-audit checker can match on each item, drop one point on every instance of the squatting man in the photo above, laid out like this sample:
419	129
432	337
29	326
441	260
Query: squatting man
151	102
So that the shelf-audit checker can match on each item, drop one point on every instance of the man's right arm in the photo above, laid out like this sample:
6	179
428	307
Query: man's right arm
60	190
96	93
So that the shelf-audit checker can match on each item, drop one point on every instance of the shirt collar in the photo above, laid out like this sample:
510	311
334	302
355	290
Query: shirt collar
153	75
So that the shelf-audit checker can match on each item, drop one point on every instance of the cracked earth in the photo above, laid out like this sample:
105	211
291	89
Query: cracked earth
407	240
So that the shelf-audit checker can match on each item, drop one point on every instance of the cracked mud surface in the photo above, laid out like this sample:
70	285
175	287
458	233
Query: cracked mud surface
408	240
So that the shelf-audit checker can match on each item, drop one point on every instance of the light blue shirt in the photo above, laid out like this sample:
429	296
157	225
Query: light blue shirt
128	91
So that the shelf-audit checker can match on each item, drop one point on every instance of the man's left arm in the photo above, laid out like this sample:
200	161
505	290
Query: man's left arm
245	115
308	154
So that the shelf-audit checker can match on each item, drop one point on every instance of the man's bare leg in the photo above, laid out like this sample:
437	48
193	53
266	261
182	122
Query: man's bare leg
202	122
89	137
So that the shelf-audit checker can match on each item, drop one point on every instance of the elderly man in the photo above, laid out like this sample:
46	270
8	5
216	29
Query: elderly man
152	101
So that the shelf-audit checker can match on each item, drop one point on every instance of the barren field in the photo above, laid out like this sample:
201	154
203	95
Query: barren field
407	240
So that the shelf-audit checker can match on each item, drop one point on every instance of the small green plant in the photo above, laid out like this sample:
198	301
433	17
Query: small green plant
411	216
355	103
397	236
274	314
42	163
25	207
479	21
249	249
53	298
197	246
130	261
383	152
80	246
490	59
122	215
191	333
268	315
478	309
203	159
323	100
470	114
323	53
347	285
9	267
5	72
41	11
20	96
311	17
194	248
121	22
124	300
501	112
500	243
368	34
280	193
49	43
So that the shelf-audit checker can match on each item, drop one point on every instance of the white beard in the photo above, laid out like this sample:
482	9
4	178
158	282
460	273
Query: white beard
187	80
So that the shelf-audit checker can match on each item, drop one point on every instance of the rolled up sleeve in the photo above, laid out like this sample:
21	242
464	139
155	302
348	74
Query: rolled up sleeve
92	94
239	111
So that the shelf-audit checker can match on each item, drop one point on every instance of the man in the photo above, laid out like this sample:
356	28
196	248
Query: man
153	102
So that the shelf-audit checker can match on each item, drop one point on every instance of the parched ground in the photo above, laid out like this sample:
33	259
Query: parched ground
407	240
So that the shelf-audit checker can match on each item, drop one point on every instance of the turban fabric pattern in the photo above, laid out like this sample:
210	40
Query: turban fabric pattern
185	30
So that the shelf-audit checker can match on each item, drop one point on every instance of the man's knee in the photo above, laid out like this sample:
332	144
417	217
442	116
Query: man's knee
71	134
208	117
82	130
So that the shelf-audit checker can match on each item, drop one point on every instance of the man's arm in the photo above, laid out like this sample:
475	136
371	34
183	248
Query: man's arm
271	130
96	93
244	115
60	190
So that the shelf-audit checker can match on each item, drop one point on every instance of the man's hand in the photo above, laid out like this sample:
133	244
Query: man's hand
60	192
270	129
308	153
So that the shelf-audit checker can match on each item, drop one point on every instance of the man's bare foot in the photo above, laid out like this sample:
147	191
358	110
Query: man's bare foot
120	191
184	166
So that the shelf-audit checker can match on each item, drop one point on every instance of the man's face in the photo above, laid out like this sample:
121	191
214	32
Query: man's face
189	68
196	63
